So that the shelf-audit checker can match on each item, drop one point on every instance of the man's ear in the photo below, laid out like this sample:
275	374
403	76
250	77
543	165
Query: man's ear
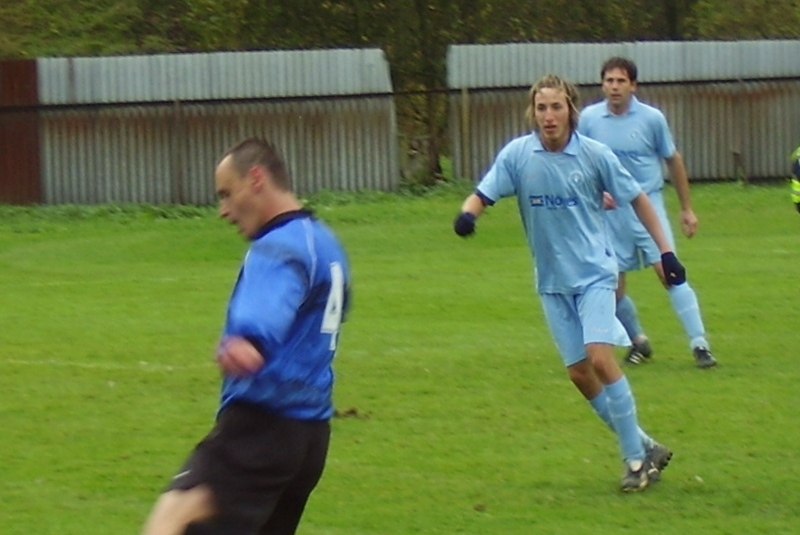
257	177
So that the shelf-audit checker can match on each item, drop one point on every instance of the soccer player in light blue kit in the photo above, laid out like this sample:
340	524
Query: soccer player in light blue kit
257	467
640	137
559	178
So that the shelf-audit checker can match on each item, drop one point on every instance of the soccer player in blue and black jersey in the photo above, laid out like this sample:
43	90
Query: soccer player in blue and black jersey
640	137
559	178
254	471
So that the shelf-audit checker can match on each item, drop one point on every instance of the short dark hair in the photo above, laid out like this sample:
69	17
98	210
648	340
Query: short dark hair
618	62
257	151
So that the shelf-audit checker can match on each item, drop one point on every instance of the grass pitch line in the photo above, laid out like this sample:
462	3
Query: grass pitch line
115	281
142	365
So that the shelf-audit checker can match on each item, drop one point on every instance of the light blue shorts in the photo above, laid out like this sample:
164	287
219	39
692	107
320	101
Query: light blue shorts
634	247
577	320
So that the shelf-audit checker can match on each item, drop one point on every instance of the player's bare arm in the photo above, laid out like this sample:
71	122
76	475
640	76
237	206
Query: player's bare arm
680	180
649	218
671	271
473	204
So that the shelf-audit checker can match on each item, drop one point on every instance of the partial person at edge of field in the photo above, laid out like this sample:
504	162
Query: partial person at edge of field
558	178
795	179
255	470
640	137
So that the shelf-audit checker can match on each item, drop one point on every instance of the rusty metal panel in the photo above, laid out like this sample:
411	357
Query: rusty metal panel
18	83
19	133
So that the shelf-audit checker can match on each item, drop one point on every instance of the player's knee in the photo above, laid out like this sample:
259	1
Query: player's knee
584	378
176	509
220	526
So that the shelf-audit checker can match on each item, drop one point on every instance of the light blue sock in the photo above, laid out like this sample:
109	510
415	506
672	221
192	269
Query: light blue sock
627	315
600	405
684	303
622	412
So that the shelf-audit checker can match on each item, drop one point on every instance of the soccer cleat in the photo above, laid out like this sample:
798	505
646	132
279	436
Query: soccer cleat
703	357
634	480
656	458
639	353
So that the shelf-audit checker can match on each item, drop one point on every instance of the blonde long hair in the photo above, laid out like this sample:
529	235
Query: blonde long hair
553	81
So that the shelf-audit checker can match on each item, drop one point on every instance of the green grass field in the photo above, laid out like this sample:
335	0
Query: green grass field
457	416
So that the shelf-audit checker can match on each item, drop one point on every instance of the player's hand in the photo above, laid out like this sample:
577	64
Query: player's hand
688	223
608	201
674	271
464	225
238	357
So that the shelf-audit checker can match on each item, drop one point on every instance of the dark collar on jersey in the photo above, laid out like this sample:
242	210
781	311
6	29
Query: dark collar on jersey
280	220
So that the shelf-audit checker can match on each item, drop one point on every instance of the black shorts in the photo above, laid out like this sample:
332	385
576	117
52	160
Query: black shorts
261	467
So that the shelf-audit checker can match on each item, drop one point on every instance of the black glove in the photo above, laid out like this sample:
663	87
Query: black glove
674	271
464	225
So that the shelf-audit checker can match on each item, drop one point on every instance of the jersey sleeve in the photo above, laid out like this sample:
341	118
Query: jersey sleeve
270	290
499	181
664	144
616	179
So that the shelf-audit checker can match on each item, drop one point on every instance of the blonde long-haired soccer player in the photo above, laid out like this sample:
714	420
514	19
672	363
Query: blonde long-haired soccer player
559	178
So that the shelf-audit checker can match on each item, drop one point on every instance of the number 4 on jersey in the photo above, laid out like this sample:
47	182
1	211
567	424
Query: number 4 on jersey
334	308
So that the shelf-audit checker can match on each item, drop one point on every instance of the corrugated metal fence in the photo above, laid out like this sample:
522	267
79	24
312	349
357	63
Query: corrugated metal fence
734	107
166	154
149	129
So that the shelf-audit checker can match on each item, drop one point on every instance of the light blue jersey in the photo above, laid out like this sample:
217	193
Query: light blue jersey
640	138
560	200
289	301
